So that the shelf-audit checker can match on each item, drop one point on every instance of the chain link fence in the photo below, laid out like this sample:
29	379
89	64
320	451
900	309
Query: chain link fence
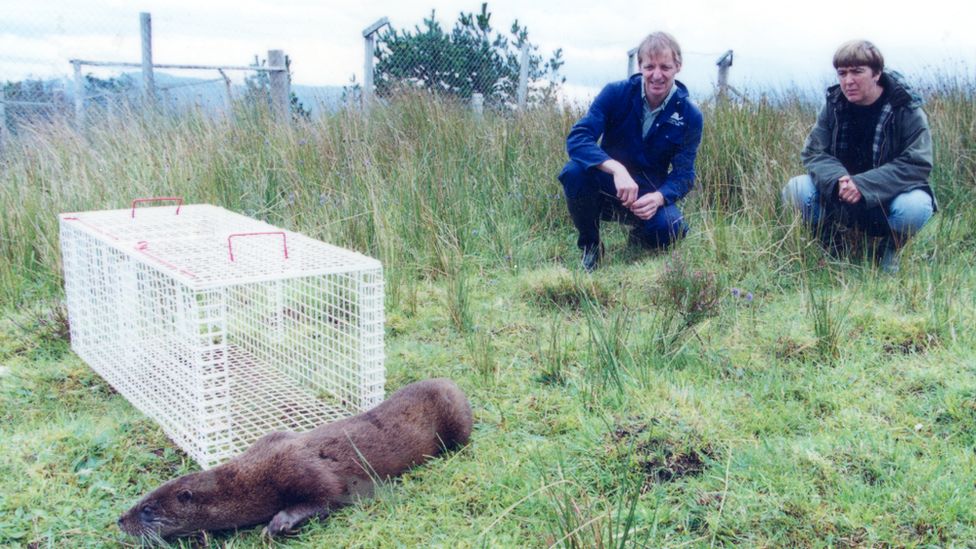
473	62
67	60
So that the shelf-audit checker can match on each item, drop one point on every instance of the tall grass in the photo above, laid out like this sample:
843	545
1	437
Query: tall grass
483	286
416	182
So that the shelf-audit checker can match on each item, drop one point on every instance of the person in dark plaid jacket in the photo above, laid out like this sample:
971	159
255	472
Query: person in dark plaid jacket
868	157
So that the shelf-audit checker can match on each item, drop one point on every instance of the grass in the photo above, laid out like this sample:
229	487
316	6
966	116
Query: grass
652	404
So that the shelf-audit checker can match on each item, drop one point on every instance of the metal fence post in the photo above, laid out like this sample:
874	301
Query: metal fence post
3	118
79	95
724	63
369	42
280	87
148	82
631	62
523	83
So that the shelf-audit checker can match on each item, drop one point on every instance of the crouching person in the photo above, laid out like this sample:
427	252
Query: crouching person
868	157
645	161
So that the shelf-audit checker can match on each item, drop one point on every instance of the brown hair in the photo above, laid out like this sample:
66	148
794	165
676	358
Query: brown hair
659	42
854	53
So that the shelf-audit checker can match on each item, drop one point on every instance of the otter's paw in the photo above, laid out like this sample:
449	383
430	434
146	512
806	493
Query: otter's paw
283	523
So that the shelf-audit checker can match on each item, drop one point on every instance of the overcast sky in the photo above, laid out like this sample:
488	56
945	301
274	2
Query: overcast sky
777	44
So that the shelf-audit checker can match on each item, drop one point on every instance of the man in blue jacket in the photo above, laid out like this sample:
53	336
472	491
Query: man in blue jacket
645	161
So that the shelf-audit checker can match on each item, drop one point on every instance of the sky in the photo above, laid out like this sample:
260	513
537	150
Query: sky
777	44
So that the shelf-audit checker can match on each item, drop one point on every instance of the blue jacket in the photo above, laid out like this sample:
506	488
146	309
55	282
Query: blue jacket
672	142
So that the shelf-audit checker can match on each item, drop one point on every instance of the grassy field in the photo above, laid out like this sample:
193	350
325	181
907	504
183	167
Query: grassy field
744	389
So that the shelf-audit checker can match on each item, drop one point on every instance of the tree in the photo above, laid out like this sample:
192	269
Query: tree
473	58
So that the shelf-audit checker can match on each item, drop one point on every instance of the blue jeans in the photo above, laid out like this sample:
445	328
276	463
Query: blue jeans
904	216
592	196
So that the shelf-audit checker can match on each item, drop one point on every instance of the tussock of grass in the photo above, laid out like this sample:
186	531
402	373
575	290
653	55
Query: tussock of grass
559	288
644	405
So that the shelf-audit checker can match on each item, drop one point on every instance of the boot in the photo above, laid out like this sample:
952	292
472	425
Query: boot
888	256
592	255
585	213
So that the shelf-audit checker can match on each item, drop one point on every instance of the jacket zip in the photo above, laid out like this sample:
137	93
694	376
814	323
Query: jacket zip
884	138
833	140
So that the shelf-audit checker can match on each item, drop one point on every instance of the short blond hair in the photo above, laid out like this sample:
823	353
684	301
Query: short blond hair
855	53
657	43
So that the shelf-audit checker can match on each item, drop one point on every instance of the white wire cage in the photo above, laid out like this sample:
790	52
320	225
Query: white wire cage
222	328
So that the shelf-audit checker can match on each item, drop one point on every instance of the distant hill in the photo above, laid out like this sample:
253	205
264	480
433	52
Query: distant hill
183	91
174	91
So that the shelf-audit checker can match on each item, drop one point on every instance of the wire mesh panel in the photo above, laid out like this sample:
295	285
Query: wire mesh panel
222	328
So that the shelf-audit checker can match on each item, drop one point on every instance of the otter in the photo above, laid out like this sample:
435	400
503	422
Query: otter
287	478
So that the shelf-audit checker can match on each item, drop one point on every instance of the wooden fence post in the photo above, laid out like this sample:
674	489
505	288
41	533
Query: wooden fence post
724	63
280	87
631	62
148	82
523	83
79	95
369	43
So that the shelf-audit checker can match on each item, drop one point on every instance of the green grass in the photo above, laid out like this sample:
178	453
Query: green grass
647	405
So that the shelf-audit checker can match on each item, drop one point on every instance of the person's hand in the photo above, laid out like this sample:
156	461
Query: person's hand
626	187
646	206
847	190
622	181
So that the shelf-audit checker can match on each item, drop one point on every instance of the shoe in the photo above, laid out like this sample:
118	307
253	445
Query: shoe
592	255
889	259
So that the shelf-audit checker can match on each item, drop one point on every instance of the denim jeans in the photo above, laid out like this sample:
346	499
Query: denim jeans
591	197
904	216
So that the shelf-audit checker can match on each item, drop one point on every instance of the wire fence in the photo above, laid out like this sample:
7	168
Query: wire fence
71	63
473	63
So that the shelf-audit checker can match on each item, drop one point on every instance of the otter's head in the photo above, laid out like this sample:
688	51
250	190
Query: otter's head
181	506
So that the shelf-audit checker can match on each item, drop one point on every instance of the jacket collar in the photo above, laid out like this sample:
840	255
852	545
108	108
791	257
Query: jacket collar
680	92
900	95
679	96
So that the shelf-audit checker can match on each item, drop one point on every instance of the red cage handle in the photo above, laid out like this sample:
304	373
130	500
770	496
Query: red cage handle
177	199
284	241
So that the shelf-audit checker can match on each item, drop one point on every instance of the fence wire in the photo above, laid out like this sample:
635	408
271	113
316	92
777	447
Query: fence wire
40	48
469	62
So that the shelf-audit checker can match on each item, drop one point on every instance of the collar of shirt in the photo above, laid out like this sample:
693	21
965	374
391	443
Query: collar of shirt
649	113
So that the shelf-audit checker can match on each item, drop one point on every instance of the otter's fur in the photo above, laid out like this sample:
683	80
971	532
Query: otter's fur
287	478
